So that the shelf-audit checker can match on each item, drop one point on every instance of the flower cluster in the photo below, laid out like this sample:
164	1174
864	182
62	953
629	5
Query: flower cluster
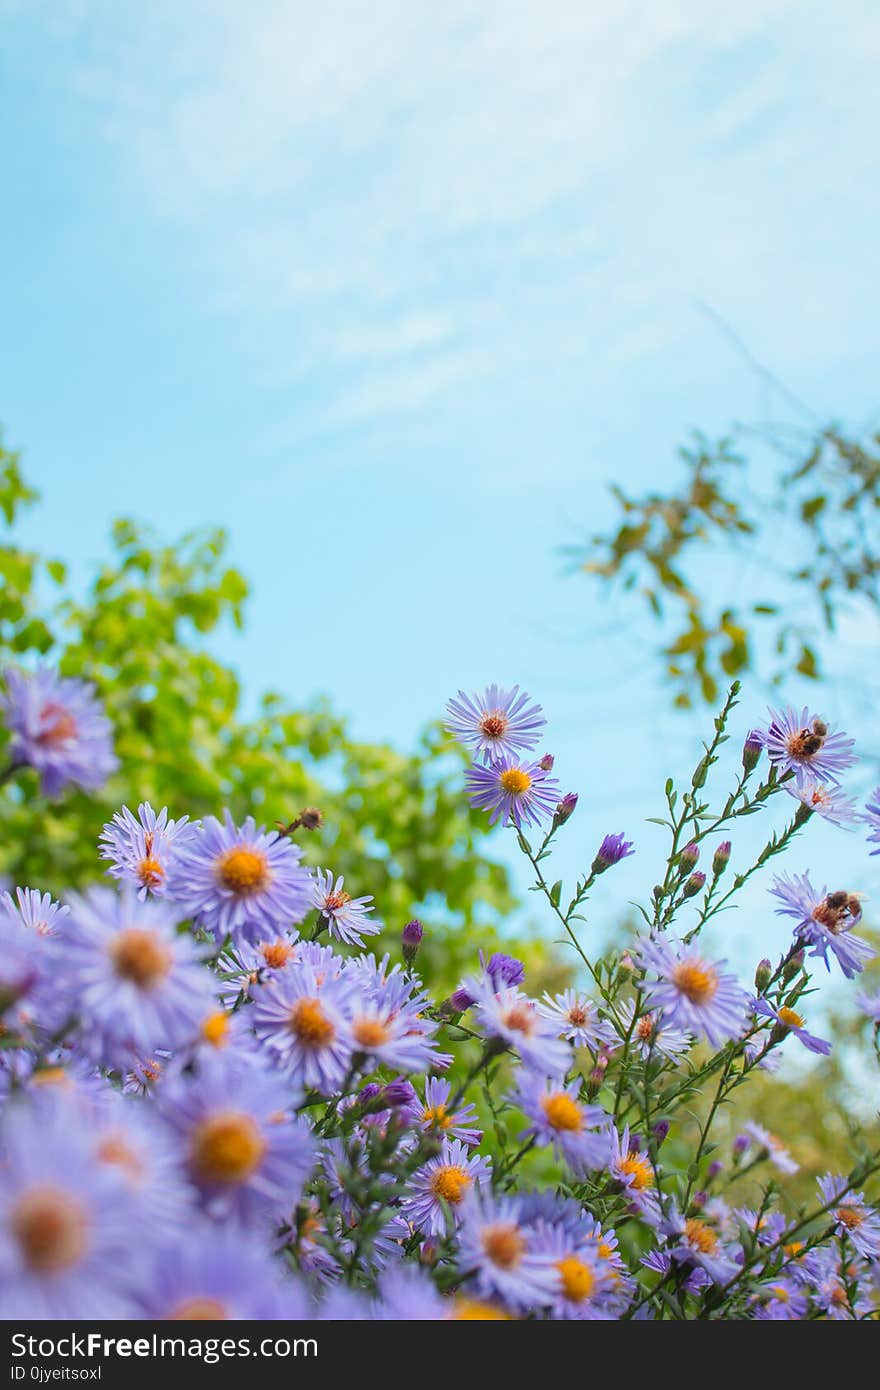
217	1103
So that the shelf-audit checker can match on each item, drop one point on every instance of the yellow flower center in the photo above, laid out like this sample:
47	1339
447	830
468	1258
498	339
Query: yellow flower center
436	1117
450	1182
276	953
50	1076
696	981
370	1032
639	1168
310	1024
504	1245
514	781
790	1018
850	1217
780	1293
243	871
215	1028
199	1310
700	1236
50	1228
140	956
472	1310
793	1251
150	872
576	1278
58	725
227	1148
562	1112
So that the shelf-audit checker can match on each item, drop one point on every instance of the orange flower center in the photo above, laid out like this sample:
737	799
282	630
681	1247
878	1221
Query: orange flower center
520	1019
515	781
576	1278
562	1112
140	956
150	872
57	725
116	1151
215	1028
577	1015
700	1236
50	1228
850	1217
227	1148
645	1028
436	1117
450	1182
504	1245
696	981
243	871
789	1018
638	1167
472	1310
310	1024
370	1032
199	1310
494	725
334	901
276	953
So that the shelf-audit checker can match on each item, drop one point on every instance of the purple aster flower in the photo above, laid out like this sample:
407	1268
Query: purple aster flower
58	727
140	849
577	1019
632	1168
305	1023
584	1282
503	970
872	819
244	1149
434	1114
557	1116
824	799
240	880
497	723
695	1242
28	970
853	1217
775	1150
514	792
781	1301
653	1035
869	1005
439	1187
498	1247
694	992
804	744
823	920
408	1294
38	912
132	982
348	919
389	1036
70	1241
791	1022
514	1019
612	849
217	1274
127	1137
767	1226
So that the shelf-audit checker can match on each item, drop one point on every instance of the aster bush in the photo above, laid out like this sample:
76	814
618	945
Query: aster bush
219	1102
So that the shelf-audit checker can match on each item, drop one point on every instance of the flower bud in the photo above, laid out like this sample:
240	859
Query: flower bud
660	1131
752	750
793	966
625	968
612	849
721	858
546	762
715	1167
695	884
688	858
566	807
411	937
763	974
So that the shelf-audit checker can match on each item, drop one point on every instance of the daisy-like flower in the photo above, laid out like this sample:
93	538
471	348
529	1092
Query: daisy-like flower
824	799
694	1242
131	981
305	1024
516	1022
775	1150
390	1037
498	1246
38	911
244	1149
823	920
57	726
28	968
433	1113
348	919
407	1294
781	1301
127	1137
557	1116
583	1280
217	1274
70	1241
440	1186
577	1019
791	1022
632	1168
804	744
853	1217
140	848
653	1035
242	881
514	792
497	723
872	819
251	964
694	992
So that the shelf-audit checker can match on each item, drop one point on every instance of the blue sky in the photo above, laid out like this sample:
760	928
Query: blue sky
395	293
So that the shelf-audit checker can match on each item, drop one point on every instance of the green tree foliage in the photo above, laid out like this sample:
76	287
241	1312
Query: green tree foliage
823	498
396	824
